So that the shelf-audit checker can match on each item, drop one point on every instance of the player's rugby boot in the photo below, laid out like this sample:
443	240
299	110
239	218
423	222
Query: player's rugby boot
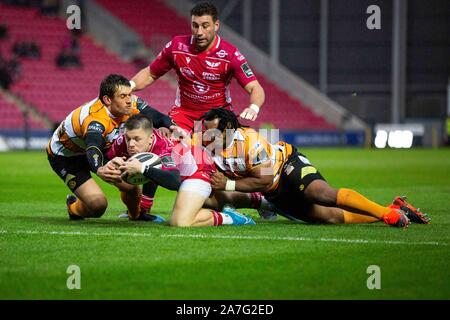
145	216
238	219
413	214
69	200
396	218
267	214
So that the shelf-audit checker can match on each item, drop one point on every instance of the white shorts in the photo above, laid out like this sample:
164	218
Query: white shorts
198	186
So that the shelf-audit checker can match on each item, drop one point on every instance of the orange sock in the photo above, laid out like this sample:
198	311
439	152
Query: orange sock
354	202
79	209
132	202
350	217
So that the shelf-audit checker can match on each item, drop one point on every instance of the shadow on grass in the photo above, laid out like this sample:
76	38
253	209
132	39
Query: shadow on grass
106	222
110	221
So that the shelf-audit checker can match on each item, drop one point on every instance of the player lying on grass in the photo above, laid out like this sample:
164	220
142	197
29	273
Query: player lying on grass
291	184
77	145
140	137
179	171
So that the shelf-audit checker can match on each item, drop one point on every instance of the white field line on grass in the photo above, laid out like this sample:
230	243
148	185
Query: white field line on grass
216	236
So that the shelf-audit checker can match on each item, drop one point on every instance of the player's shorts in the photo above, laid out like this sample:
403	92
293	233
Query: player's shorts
198	186
186	118
289	196
74	171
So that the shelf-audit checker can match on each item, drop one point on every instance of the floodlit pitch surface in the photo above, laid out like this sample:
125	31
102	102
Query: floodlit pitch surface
119	259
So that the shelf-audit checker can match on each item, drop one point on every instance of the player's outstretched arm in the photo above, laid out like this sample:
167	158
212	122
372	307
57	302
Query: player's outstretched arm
259	179
169	179
257	98
142	79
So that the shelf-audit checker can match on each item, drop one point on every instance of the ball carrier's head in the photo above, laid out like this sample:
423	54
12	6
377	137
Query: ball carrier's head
138	132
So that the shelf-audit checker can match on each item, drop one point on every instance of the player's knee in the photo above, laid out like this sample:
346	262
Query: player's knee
98	207
177	221
321	193
333	219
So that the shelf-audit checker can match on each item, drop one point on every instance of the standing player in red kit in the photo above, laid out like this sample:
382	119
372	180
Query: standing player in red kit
205	65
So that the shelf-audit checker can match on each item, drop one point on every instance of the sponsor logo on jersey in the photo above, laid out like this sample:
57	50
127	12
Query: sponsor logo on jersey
183	47
221	54
200	88
187	72
201	97
239	56
213	65
246	69
188	59
210	76
95	127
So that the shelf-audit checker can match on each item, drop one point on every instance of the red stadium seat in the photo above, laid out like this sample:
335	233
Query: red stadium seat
56	92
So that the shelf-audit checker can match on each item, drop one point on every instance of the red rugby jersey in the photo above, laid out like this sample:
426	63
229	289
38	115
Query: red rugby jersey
203	77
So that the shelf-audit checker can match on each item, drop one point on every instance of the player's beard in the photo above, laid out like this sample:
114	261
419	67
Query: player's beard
205	46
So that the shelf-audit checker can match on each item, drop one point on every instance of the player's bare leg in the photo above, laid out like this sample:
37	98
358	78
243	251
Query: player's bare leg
91	201
319	192
188	211
131	196
234	198
254	200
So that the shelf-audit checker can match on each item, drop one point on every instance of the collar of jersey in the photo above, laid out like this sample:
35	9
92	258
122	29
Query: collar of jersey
213	48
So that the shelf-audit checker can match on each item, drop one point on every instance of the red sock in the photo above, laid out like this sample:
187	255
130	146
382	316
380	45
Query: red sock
146	203
218	219
255	199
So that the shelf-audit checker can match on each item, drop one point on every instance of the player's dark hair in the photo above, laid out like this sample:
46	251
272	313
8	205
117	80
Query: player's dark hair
110	85
138	121
205	9
227	118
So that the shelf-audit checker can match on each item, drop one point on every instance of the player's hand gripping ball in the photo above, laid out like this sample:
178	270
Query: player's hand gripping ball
135	166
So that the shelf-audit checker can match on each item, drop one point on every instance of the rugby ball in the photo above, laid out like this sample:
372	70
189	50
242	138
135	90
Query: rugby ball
147	159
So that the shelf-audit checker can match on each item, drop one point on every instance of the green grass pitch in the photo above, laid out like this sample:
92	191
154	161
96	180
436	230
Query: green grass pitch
120	259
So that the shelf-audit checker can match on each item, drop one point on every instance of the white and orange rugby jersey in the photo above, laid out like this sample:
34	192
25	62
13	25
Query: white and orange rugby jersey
249	150
68	138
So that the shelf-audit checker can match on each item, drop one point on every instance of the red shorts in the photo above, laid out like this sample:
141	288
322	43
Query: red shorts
200	174
186	118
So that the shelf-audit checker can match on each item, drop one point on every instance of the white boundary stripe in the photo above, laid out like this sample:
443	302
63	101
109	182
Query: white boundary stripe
215	236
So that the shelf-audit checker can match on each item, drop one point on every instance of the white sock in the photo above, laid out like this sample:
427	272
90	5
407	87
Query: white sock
226	218
265	205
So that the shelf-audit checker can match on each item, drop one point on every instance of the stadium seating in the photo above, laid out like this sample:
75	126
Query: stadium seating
11	118
281	111
55	92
